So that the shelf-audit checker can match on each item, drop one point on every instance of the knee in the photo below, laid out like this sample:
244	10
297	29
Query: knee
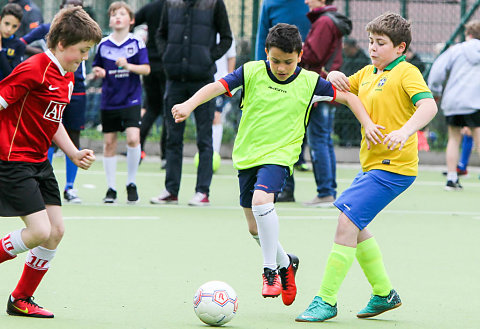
56	233
39	235
133	142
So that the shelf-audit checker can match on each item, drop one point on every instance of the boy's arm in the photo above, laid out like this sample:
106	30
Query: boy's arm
426	110
182	111
141	69
82	159
372	130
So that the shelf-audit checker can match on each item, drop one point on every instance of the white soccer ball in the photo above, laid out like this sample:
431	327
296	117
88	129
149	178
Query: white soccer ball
215	303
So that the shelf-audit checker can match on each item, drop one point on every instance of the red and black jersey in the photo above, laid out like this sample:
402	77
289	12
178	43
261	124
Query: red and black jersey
34	97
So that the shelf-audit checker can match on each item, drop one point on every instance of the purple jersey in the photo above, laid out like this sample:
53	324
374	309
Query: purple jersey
121	88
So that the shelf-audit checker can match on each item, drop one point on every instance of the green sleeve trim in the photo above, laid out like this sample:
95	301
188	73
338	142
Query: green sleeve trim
422	95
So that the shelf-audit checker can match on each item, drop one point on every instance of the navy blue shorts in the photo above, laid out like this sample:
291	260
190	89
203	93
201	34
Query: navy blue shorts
369	193
268	178
220	102
74	114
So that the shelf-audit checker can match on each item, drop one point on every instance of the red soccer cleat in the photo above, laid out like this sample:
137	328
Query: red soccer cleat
27	307
287	275
271	283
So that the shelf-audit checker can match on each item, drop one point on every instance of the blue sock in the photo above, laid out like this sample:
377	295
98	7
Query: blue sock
467	145
71	173
50	154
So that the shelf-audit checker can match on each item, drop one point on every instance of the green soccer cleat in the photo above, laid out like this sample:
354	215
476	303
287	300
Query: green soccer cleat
379	304
318	311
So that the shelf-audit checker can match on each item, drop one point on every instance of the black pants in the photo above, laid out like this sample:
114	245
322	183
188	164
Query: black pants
178	92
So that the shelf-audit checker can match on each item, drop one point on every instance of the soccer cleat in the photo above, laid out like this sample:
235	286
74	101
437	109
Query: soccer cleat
318	311
453	186
285	196
164	198
199	200
111	196
271	283
27	307
379	304
71	196
132	195
142	156
302	167
287	276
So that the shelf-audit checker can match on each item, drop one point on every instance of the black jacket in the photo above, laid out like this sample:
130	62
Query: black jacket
186	38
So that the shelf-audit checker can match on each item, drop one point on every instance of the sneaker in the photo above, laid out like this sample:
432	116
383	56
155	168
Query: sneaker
271	283
199	200
70	196
132	195
285	196
287	276
453	186
318	311
164	198
111	196
460	172
163	164
27	307
302	167
379	304
323	202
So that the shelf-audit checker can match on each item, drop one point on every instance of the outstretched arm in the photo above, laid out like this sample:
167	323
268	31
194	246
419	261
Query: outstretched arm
372	130
182	111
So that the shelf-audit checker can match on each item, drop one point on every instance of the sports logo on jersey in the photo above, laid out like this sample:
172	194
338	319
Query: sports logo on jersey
130	50
54	111
10	52
381	82
70	90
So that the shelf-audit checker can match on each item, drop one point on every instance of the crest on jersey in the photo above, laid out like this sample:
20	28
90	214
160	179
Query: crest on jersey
381	82
54	111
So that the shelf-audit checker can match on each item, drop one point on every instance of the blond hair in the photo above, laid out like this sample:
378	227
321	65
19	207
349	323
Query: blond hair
473	28
121	4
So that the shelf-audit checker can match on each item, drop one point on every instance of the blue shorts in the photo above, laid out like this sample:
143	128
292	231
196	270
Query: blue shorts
369	193
74	114
268	178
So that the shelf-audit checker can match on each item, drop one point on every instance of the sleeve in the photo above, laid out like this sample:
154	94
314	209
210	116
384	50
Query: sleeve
414	85
233	81
162	32
23	79
439	72
98	60
319	43
36	34
140	16
222	26
263	26
142	53
324	91
232	52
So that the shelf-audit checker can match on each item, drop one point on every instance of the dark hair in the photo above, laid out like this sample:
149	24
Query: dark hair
71	2
285	37
13	9
329	2
350	42
71	26
393	26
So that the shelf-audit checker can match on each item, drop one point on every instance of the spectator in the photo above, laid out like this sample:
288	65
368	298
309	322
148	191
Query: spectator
11	48
120	60
187	39
412	57
454	77
32	18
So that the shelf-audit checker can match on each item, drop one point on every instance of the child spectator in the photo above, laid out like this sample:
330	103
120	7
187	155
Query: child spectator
32	101
120	60
11	48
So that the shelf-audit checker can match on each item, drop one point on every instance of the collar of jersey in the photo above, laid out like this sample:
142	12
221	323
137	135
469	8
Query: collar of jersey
54	59
290	78
392	64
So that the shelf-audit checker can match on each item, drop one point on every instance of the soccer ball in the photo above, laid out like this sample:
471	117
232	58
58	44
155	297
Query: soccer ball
215	303
215	161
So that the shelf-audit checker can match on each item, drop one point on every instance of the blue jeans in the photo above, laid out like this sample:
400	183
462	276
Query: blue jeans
319	133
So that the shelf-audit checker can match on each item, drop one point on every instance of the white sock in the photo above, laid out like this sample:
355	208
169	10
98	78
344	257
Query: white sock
453	176
39	258
110	166
282	258
13	243
217	132
268	230
133	160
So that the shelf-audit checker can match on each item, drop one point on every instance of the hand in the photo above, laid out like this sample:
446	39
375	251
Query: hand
84	158
122	63
373	134
98	72
181	112
339	80
396	137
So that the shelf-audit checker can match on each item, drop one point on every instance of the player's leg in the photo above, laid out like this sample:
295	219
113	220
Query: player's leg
132	123
217	126
467	146
111	124
455	123
69	193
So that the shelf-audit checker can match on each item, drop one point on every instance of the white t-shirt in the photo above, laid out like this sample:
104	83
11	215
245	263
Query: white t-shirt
222	62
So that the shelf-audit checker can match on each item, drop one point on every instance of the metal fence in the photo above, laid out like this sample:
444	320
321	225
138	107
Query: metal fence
435	23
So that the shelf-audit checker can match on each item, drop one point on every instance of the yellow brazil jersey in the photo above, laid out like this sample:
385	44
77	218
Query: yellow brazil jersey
390	98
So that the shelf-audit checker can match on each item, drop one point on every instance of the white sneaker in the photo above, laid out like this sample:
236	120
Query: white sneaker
199	200
164	198
71	196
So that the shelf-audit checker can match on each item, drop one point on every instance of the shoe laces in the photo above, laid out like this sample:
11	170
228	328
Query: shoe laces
283	274
30	301
270	276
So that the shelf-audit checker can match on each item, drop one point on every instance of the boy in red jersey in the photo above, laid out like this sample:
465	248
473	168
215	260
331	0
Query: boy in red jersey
32	100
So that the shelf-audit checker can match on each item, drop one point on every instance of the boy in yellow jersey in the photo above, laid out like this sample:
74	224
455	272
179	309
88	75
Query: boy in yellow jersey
396	97
277	98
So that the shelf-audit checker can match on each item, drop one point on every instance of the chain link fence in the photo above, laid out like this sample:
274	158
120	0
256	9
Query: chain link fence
436	24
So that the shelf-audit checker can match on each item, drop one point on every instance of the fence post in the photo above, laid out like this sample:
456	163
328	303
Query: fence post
347	8
254	28
404	8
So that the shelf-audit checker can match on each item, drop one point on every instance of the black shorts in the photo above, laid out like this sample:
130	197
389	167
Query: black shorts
119	120
26	188
464	120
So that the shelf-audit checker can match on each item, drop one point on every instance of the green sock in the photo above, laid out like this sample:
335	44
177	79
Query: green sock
338	264
370	259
